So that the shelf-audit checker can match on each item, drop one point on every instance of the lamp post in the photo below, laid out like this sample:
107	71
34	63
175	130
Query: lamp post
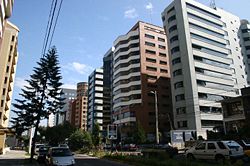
156	117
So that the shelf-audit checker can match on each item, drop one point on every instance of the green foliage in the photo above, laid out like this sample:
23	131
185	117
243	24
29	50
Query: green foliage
139	135
96	138
80	139
57	134
41	97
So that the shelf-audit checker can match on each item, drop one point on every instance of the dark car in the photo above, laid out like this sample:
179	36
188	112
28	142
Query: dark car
42	153
171	151
130	147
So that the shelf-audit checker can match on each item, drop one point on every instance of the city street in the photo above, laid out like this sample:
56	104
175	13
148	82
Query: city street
84	160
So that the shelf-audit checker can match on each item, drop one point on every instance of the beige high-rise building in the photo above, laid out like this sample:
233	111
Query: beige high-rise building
8	60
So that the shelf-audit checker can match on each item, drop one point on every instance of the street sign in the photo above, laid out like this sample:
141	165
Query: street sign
112	132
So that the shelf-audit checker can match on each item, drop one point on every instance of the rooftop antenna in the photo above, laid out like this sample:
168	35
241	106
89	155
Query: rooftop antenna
212	4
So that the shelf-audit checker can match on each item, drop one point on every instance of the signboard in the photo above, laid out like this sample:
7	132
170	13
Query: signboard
112	132
180	136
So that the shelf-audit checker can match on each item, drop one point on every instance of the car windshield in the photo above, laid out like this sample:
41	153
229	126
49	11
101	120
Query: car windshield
43	149
61	152
232	144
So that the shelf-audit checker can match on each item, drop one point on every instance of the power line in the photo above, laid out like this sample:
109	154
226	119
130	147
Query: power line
51	23
46	33
58	13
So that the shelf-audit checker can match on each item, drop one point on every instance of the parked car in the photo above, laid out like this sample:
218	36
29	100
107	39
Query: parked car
218	150
37	146
42	153
63	145
171	151
60	156
246	146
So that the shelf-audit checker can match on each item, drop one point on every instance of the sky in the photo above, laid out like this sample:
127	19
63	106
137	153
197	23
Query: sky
85	30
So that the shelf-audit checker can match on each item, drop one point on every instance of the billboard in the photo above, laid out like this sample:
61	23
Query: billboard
112	132
180	136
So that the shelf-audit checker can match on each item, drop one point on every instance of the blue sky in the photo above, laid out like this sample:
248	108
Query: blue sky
86	29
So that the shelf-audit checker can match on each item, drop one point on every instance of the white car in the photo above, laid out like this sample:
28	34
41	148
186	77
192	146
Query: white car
37	146
60	156
218	150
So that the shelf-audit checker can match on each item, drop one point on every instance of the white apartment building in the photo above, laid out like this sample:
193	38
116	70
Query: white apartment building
206	62
245	43
95	99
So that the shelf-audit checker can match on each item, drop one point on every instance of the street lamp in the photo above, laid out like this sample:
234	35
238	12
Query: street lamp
156	117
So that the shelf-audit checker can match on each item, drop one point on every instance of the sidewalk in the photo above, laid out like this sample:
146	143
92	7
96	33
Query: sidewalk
15	158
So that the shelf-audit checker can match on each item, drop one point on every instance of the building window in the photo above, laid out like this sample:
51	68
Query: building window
174	38
172	18
179	97
181	110
13	38
172	28
162	54
151	60
149	36
170	10
161	39
5	80
150	52
181	124
176	60
177	72
4	91
163	63
150	77
151	68
175	49
164	71
2	102
149	44
7	69
178	85
9	59
162	47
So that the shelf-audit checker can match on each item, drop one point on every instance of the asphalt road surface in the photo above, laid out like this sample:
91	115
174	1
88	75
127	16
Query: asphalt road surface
84	160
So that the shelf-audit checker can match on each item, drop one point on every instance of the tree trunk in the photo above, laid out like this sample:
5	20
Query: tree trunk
34	139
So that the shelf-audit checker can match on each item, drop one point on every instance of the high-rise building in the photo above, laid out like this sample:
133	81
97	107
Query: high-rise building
5	12
95	99
141	71
107	91
206	62
245	43
68	95
79	107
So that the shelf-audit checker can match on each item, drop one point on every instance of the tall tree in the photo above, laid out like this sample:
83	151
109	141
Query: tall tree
139	135
96	138
41	97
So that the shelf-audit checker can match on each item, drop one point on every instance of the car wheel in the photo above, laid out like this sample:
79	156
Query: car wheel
190	157
220	159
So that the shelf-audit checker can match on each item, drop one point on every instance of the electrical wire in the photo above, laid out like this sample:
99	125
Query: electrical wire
58	13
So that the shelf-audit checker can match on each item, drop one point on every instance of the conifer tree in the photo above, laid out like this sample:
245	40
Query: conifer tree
41	97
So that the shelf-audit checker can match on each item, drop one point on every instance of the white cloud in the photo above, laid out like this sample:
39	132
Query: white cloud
130	13
20	82
79	68
149	6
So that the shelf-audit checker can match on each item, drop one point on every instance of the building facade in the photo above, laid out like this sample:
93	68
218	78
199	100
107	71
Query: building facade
236	111
206	62
245	43
95	99
69	95
140	67
78	112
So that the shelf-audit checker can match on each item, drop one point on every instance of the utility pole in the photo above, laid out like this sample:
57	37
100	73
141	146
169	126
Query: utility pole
156	118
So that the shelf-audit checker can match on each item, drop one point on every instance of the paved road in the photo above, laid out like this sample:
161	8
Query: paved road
84	160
